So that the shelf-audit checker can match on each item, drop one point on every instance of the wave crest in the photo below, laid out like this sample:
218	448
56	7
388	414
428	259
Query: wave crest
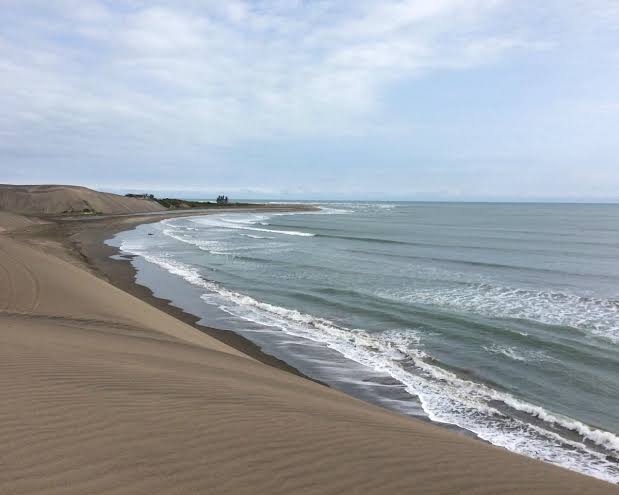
598	317
444	396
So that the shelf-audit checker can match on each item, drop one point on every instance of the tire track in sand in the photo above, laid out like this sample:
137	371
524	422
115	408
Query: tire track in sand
21	287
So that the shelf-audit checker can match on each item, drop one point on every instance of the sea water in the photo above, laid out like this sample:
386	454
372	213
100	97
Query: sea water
501	320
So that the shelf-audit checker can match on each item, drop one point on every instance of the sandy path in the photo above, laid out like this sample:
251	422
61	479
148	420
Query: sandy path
102	393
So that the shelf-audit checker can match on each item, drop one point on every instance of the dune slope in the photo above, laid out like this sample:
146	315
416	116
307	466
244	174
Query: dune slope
55	200
13	221
102	393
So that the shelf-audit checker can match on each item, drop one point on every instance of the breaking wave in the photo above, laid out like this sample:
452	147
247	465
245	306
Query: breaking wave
495	416
225	222
598	317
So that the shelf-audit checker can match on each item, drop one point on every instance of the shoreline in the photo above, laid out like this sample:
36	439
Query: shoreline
116	268
85	238
143	385
281	360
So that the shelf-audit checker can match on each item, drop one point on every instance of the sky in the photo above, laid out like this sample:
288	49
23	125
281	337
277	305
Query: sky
395	99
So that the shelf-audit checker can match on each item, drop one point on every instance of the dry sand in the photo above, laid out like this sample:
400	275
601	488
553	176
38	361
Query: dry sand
101	392
12	221
58	199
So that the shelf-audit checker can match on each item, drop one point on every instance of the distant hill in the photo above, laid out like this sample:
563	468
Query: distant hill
58	200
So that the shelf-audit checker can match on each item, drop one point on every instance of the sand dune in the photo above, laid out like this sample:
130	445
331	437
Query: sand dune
55	200
102	393
13	221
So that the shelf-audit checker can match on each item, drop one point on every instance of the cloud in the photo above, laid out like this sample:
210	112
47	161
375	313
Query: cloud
88	73
353	95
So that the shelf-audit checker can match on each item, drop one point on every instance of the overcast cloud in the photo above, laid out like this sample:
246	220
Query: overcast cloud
448	99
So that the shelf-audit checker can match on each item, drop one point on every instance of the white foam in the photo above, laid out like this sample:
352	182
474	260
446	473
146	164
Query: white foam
252	236
360	206
323	210
223	221
444	396
211	246
320	205
518	354
598	317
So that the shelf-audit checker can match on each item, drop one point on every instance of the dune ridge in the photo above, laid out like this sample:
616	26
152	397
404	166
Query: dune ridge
103	393
59	199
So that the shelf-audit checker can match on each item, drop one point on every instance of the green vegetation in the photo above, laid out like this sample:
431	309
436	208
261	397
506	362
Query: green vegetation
182	203
178	204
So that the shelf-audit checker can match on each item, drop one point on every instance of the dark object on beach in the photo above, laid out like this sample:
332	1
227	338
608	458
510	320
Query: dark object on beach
222	200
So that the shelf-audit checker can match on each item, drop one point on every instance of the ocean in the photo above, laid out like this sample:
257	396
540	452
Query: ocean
498	320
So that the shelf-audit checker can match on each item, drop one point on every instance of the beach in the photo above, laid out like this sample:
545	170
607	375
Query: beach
108	389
